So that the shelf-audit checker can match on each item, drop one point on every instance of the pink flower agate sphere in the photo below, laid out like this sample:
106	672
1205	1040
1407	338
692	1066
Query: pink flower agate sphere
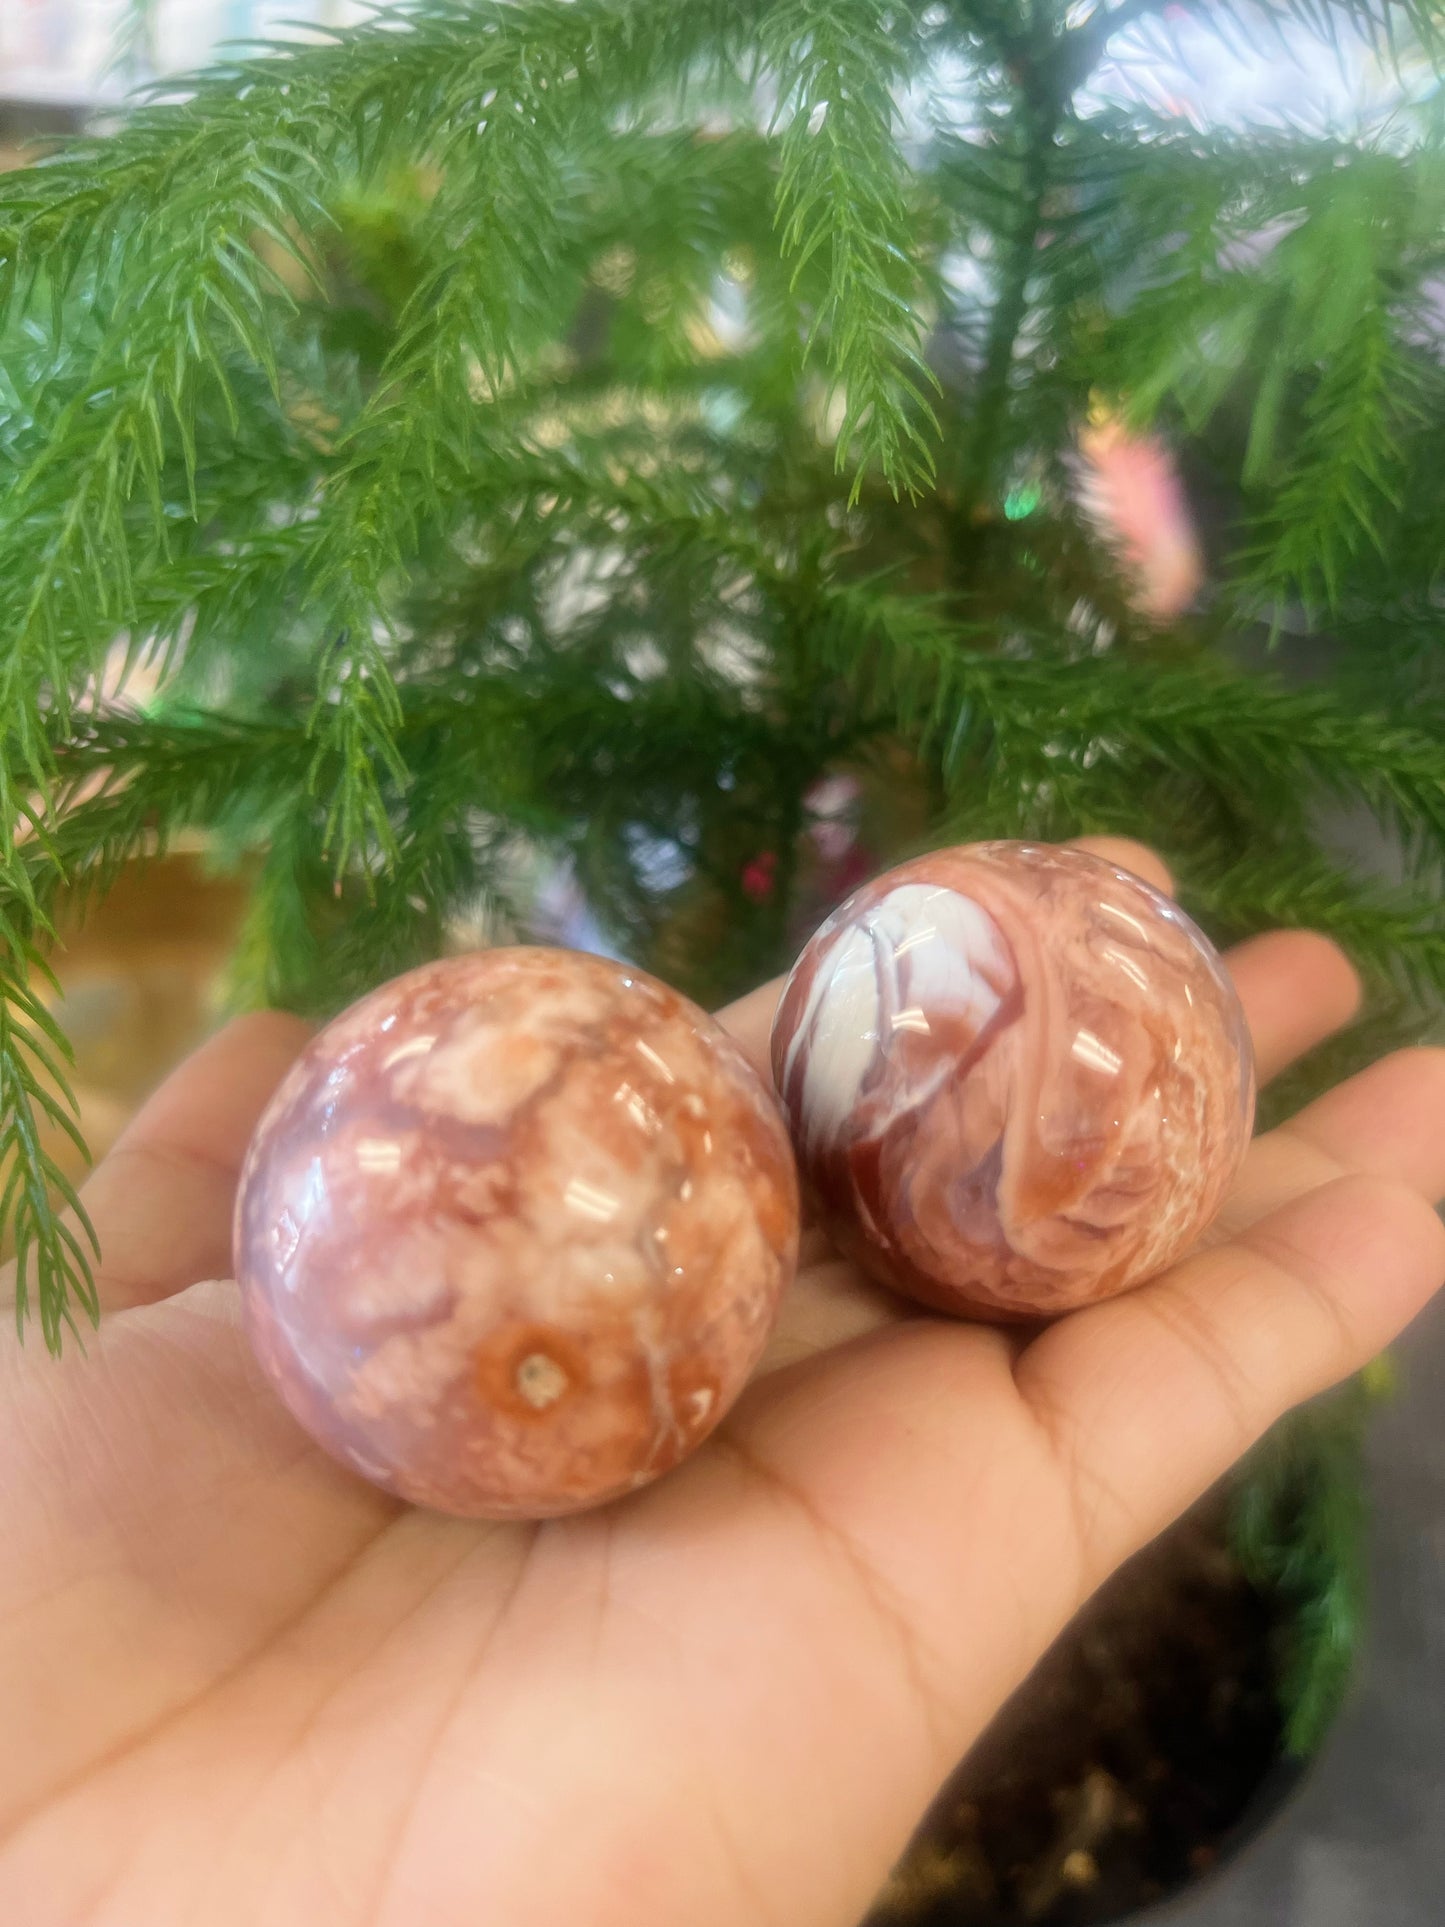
1018	1079
512	1233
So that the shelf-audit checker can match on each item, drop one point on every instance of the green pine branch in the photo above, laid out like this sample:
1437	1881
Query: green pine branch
843	196
513	426
53	1251
1072	716
121	784
1298	1523
174	206
1291	271
1396	935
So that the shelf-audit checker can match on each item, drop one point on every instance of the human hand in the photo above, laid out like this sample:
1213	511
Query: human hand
240	1688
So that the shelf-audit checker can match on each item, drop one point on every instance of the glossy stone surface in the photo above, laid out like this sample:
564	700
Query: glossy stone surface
512	1233
1018	1078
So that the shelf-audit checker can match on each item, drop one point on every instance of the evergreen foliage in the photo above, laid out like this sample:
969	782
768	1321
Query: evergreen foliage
380	383
583	424
1298	1526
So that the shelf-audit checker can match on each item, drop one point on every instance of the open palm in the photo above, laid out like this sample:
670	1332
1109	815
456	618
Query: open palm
240	1688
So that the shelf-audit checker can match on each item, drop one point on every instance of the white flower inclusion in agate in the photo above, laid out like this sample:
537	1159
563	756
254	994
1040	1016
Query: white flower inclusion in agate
1018	1079
513	1231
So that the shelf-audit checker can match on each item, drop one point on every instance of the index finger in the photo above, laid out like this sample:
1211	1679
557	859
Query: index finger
161	1200
1147	1399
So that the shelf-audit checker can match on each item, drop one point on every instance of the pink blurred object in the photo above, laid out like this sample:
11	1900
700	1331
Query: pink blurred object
832	804
1131	489
834	859
759	878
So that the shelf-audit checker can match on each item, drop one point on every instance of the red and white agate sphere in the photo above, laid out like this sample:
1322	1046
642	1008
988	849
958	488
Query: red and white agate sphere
512	1233
1018	1079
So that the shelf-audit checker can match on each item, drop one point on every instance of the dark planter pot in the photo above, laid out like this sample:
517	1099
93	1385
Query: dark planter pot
1351	1838
1357	1840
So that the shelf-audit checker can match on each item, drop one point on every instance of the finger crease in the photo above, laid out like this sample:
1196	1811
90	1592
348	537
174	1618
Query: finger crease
867	1579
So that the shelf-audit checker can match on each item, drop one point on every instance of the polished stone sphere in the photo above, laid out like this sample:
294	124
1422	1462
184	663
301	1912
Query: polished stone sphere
1018	1079
512	1233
